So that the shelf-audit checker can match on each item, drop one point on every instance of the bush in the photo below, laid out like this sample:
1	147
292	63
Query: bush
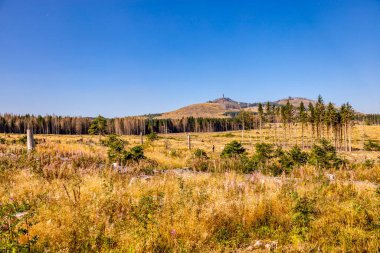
371	145
117	153
260	160
115	148
323	155
200	153
304	213
199	161
152	137
22	140
369	164
293	158
233	149
135	154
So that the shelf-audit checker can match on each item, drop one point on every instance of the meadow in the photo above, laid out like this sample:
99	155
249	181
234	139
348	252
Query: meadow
69	196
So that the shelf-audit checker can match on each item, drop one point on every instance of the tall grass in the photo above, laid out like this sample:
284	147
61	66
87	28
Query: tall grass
61	198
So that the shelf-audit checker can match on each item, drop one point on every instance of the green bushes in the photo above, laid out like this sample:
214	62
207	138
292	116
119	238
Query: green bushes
152	136
135	154
22	140
304	213
371	145
294	158
323	155
273	160
199	161
233	149
117	153
115	148
200	153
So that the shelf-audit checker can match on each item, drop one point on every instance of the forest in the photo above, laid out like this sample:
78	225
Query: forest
321	118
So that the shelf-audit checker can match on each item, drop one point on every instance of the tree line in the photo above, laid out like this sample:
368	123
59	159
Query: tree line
369	119
315	121
281	124
51	124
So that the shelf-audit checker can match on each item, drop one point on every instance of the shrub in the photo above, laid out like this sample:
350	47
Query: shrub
152	136
200	153
304	213
323	155
293	158
2	140
135	154
199	161
115	148
369	164
22	139
233	149
260	160
117	153
371	145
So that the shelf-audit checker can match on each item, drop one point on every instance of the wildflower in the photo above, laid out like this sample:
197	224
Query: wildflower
173	233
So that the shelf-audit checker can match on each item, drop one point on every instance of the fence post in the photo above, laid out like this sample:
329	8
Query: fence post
29	140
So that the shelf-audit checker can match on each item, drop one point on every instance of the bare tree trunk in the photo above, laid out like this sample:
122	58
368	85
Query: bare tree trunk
302	136
242	134
345	136
349	138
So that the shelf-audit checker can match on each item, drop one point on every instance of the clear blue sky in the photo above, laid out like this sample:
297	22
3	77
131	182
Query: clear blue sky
129	57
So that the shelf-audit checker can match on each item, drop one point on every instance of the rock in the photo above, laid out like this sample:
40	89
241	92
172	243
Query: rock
258	244
19	215
330	177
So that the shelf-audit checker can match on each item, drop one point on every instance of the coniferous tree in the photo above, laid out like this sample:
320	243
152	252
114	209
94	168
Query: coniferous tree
302	117
312	121
98	126
319	116
261	116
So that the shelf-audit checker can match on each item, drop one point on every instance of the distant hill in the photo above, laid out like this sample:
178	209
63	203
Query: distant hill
203	110
296	101
225	107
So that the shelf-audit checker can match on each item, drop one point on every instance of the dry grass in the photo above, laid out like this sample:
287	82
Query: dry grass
76	203
203	110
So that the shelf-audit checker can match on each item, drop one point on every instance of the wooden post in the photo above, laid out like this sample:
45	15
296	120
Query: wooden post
188	141
29	140
141	138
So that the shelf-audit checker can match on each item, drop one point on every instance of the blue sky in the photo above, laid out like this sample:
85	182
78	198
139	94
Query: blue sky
130	57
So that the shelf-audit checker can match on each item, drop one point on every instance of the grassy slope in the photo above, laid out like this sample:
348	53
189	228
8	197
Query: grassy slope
204	110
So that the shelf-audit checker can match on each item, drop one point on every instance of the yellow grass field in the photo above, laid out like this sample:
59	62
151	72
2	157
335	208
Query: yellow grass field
65	197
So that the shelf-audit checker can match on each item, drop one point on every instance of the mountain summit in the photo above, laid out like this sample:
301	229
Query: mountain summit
222	107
